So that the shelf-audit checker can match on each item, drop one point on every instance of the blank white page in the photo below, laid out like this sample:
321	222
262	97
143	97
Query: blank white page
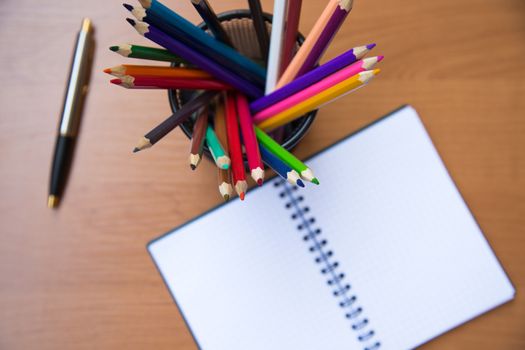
244	279
411	250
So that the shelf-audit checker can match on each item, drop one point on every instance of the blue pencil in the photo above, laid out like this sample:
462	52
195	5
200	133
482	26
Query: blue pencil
280	167
178	27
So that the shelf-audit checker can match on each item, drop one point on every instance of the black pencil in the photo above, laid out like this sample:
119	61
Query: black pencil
174	120
260	28
205	10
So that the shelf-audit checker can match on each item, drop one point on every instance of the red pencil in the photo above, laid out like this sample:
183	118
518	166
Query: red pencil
234	145
290	32
250	141
142	82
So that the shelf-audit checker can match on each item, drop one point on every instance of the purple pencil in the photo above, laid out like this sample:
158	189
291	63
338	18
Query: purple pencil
311	77
190	55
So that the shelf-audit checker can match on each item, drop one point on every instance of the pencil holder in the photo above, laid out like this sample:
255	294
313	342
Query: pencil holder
238	25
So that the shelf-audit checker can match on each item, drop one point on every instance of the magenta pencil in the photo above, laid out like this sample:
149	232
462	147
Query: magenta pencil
331	80
141	82
249	139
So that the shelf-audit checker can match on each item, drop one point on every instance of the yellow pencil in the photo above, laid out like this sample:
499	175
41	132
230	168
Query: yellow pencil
319	100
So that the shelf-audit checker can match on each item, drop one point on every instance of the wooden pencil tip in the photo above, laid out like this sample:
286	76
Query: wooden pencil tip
300	183
113	48
52	201
193	167
226	197
107	70
131	21
315	181
136	149
128	7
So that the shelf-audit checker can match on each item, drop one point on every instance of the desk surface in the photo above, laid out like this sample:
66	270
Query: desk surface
80	277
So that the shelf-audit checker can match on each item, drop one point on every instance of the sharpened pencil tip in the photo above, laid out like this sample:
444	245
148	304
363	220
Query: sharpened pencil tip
136	149
315	181
128	7
107	70
300	183
131	21
226	197
193	167
116	81
380	58
370	46
113	48
260	182
241	196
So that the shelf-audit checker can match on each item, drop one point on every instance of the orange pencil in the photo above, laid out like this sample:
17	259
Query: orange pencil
157	71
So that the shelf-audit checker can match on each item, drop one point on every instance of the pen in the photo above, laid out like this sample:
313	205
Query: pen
71	112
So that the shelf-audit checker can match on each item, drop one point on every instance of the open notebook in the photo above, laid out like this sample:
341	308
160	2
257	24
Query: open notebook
383	254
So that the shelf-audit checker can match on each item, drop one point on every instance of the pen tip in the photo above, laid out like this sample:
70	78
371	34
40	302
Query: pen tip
370	46
52	201
128	7
300	183
315	181
131	21
113	48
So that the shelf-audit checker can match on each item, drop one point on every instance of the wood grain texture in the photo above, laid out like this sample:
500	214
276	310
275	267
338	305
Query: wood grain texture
80	277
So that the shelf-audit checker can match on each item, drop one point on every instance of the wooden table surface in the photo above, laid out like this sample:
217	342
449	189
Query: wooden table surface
80	277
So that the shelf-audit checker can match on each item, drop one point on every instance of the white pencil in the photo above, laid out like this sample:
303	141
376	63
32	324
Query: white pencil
276	44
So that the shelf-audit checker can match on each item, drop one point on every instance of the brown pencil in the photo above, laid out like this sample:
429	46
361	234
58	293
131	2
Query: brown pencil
224	176
197	138
174	120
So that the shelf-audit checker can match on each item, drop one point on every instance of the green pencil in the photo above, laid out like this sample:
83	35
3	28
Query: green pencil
146	53
285	156
217	151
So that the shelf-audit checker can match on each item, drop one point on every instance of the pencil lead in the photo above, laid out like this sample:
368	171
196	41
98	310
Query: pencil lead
315	181
128	7
114	48
107	70
300	183
370	46
226	197
136	149
241	196
131	21
260	182
52	201
116	81
380	58
193	167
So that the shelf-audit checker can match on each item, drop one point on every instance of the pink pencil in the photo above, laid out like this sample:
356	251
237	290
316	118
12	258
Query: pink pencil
331	80
249	139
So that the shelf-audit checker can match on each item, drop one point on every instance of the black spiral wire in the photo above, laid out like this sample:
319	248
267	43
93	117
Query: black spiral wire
329	266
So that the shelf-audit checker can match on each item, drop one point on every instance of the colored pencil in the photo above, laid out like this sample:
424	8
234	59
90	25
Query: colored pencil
224	176
174	120
291	29
325	97
157	71
276	44
281	168
259	25
326	83
234	144
310	78
198	137
205	10
287	157
221	158
177	27
249	140
147	53
196	58
317	40
130	82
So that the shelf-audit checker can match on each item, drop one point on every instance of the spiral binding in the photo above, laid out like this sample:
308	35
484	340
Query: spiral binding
330	268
